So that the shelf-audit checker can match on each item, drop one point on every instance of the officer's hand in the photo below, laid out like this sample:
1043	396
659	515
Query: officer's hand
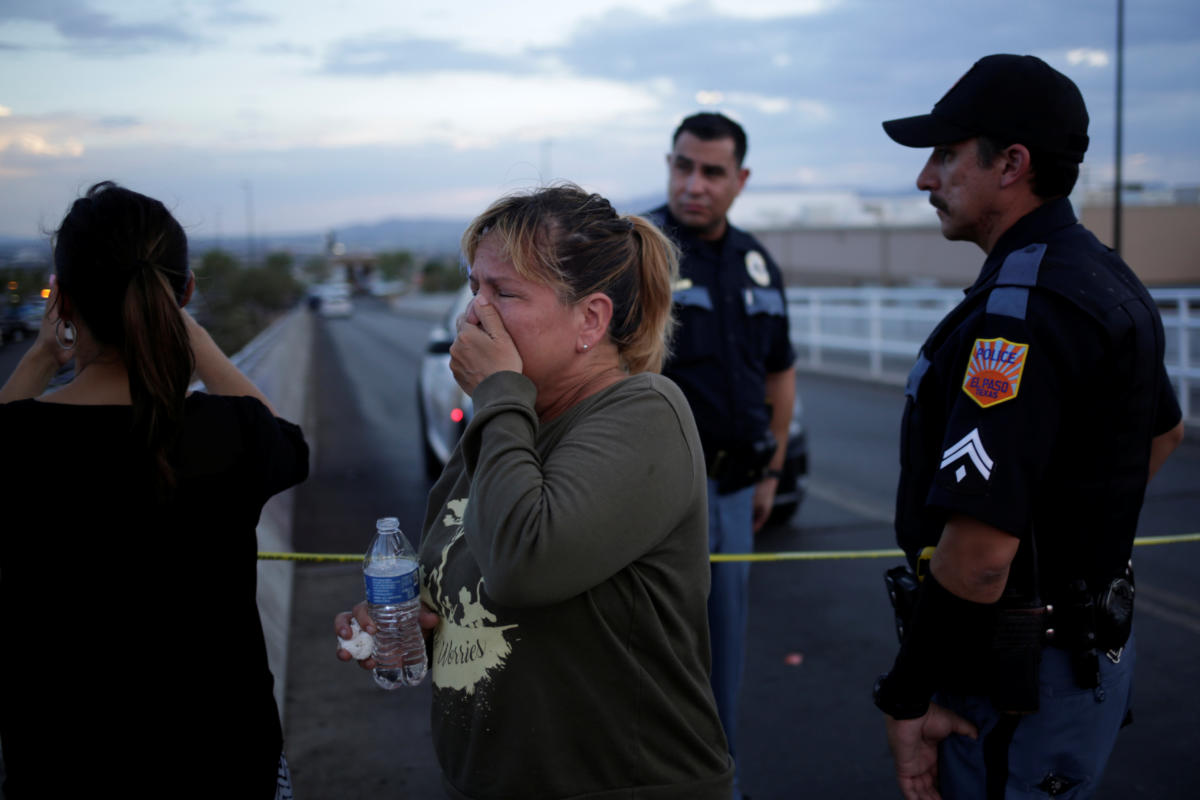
914	745
764	499
482	346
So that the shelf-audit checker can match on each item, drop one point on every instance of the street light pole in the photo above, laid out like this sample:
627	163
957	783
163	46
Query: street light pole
1120	100
248	187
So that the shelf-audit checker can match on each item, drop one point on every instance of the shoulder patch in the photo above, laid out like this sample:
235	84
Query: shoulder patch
994	371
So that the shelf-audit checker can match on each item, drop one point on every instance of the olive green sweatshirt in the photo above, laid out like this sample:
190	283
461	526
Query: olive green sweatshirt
569	564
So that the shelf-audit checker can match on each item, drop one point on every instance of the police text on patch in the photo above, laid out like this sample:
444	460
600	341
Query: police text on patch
994	371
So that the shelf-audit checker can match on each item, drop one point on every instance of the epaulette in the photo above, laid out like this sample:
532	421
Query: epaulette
1018	274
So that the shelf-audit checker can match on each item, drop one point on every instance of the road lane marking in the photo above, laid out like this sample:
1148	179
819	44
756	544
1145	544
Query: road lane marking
1181	618
851	501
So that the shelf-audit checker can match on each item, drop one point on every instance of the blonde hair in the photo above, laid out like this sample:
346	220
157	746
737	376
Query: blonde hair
576	243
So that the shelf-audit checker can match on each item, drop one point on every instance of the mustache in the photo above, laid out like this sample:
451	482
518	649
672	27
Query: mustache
938	203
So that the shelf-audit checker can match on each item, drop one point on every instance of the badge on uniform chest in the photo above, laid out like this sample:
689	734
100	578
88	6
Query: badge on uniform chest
756	268
994	371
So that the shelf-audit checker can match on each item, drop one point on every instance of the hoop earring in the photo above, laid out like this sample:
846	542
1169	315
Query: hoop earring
64	327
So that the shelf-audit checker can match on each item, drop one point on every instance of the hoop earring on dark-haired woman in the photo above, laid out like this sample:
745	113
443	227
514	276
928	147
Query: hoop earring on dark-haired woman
67	327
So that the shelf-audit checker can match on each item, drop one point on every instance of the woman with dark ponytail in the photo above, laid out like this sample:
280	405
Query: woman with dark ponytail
135	663
565	549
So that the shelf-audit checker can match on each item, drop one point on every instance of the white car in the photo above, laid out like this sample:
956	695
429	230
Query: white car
444	408
334	300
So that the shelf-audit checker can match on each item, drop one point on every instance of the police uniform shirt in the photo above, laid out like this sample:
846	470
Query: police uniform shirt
732	332
1033	405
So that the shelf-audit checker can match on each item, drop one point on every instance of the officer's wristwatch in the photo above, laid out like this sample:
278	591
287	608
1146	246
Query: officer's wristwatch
897	707
777	474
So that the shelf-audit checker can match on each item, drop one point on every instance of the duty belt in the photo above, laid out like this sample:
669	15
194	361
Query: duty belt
736	468
1083	620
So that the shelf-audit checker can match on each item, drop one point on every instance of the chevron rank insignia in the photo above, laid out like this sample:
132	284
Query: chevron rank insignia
994	372
967	451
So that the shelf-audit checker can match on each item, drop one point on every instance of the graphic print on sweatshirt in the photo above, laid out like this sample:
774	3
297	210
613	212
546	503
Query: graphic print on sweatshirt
468	647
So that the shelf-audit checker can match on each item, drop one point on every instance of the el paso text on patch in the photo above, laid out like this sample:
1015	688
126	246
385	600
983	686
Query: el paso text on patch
994	371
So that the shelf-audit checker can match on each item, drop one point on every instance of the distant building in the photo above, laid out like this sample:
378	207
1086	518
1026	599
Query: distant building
845	239
355	268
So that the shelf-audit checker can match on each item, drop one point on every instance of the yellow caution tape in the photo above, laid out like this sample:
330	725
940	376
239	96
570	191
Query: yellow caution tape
314	558
1182	537
814	555
717	558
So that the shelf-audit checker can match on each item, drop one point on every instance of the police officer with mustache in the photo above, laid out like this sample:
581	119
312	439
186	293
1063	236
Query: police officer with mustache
1036	413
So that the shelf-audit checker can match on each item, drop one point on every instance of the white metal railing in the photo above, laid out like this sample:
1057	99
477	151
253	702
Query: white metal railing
876	332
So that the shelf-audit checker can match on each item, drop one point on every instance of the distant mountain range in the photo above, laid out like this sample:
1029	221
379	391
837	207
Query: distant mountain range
421	236
425	237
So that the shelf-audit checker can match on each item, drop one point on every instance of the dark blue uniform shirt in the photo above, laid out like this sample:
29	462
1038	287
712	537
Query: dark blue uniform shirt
733	331
1033	404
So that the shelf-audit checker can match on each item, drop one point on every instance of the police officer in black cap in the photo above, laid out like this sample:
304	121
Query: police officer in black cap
733	359
1037	411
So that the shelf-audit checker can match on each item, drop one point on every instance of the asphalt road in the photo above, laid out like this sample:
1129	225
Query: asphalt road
808	727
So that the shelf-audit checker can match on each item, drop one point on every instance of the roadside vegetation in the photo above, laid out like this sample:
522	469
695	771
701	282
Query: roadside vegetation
235	303
442	275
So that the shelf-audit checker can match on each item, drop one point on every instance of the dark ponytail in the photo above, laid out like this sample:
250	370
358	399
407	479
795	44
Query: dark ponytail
121	259
159	359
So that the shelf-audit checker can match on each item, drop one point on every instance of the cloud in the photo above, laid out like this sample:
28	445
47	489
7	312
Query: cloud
697	48
772	9
412	55
232	12
344	105
80	23
29	145
119	121
287	49
1087	57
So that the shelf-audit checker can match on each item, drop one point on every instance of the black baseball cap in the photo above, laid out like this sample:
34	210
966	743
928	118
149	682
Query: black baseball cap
1020	99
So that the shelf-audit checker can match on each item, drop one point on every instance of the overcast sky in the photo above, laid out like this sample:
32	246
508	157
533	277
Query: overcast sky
325	112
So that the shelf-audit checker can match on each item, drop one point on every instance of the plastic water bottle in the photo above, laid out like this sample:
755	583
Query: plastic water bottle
393	600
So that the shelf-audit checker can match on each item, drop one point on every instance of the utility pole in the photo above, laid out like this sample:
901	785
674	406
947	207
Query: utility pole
1120	100
249	189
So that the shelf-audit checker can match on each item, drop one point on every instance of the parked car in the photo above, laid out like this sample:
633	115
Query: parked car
331	300
445	410
794	480
20	321
31	316
443	407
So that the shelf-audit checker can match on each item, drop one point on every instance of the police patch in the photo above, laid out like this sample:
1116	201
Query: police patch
994	371
756	268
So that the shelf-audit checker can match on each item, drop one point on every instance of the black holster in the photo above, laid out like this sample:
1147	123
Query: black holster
736	468
1088	623
902	587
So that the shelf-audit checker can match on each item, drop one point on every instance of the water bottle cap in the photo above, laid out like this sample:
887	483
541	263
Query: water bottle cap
387	524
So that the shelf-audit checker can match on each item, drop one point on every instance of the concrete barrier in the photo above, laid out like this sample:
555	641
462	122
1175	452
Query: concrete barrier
278	362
